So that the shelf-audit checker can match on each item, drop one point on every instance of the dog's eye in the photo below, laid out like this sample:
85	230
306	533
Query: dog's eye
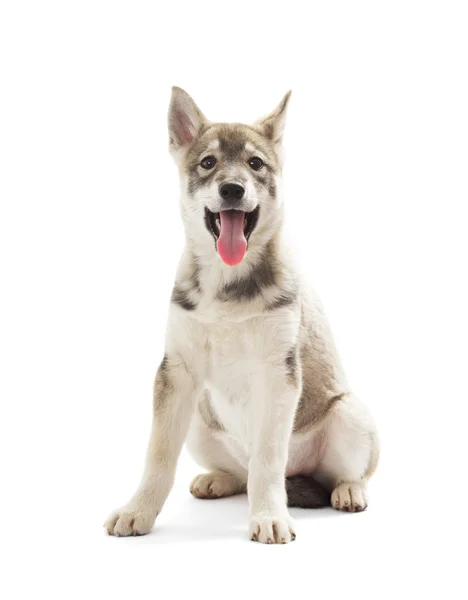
256	163
208	162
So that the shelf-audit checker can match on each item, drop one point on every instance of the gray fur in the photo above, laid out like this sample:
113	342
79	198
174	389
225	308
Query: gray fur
163	386
197	182
195	275
305	492
285	298
292	373
322	378
232	139
181	297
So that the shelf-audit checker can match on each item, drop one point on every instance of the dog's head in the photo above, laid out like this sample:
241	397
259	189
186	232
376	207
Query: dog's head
230	176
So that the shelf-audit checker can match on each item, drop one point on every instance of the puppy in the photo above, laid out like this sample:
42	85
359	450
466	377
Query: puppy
250	377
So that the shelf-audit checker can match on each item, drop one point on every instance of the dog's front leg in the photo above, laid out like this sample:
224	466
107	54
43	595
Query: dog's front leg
276	395
175	392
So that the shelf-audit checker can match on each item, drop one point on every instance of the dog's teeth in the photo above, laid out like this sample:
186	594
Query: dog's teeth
218	224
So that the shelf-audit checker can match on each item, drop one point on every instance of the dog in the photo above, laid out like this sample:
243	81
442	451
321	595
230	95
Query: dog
250	378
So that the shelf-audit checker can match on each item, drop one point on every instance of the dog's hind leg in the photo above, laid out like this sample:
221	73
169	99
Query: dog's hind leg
217	484
351	455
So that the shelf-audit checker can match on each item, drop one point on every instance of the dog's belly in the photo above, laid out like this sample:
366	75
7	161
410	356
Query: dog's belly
305	452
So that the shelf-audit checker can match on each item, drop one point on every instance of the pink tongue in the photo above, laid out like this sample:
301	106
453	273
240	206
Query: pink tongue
231	242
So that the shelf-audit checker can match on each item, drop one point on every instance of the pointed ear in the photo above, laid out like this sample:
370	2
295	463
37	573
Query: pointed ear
185	119
272	125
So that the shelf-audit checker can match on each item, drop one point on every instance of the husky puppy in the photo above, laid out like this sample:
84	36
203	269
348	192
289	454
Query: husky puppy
250	377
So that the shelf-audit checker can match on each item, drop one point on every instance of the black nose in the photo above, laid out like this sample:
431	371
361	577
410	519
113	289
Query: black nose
231	191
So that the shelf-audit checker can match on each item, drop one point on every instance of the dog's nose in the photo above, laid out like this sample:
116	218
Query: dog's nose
231	191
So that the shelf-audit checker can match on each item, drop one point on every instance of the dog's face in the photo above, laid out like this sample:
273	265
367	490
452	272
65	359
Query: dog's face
230	175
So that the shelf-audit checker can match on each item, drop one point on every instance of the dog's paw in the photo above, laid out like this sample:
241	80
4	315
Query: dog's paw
130	520
350	497
215	485
271	530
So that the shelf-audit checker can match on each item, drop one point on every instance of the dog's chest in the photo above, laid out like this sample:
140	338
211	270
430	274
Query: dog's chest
240	356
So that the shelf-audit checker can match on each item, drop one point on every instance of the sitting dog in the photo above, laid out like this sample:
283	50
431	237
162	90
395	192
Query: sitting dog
250	377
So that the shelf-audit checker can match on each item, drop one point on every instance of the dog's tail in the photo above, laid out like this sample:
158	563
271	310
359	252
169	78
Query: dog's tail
305	492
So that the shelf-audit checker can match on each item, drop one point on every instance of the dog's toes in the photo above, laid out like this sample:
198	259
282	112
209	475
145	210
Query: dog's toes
349	497
216	484
130	521
271	530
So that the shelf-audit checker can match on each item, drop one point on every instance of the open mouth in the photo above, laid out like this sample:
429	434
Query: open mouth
231	230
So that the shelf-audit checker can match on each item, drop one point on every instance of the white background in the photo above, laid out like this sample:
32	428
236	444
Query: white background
376	195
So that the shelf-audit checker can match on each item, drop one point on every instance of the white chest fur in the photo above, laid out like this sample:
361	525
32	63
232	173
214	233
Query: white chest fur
242	357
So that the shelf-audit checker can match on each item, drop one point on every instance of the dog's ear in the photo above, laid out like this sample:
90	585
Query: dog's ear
185	119
272	125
